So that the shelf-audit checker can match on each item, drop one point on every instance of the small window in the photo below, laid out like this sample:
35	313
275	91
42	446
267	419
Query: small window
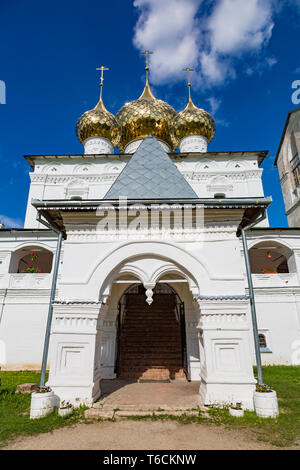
262	341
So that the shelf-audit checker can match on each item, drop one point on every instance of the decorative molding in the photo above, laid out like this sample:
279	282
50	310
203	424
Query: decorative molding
76	302
221	297
233	176
63	179
221	317
90	233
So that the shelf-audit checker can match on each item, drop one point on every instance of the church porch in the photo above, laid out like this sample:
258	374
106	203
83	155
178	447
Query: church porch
131	397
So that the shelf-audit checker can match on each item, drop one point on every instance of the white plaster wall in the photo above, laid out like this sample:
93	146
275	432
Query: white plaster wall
277	299
22	328
278	318
24	301
91	177
216	264
221	272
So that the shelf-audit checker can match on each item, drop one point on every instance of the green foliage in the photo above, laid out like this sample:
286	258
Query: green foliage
283	431
15	409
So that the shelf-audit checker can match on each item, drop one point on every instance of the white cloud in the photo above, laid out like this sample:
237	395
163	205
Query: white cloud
211	36
9	222
214	104
170	28
235	28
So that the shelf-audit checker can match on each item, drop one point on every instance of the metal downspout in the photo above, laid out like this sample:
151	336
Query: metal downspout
52	296
251	295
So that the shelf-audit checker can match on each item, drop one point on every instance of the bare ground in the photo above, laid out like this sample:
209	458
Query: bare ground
140	435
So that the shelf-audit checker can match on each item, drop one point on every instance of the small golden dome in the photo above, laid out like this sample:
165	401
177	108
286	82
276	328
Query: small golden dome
146	116
194	121
98	122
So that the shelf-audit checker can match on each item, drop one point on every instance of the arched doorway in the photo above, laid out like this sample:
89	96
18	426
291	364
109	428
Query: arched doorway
151	340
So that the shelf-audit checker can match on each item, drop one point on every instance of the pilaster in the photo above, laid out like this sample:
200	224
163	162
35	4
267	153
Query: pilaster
224	342
75	346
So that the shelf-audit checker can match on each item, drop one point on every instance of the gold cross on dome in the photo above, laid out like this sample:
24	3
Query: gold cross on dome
147	53
188	70
102	69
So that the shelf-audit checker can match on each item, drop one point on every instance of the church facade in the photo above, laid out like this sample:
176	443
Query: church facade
152	281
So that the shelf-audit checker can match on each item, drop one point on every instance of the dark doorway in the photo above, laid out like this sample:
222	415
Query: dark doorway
151	340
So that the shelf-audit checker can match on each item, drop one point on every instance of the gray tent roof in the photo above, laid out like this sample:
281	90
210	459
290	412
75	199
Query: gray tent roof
150	174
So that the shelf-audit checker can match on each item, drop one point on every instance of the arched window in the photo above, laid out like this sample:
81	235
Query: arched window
31	259
271	258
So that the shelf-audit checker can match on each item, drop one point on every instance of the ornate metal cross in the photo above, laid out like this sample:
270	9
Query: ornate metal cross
102	69
147	53
188	70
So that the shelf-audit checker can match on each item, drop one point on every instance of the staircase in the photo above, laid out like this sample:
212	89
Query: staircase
150	340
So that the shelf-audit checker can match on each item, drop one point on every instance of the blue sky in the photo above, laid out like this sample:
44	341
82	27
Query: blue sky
246	57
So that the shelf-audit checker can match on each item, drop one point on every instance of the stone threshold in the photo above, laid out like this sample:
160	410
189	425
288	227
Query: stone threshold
118	413
100	410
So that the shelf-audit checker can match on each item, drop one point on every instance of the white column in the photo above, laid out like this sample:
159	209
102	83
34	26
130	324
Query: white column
97	145
193	143
75	351
36	191
224	341
132	146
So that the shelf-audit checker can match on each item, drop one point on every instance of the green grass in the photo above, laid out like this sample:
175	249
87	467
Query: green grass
15	407
281	432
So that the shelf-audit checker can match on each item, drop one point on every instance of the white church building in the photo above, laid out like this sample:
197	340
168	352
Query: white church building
152	281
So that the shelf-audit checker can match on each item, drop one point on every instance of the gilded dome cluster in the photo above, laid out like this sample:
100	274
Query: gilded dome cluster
142	117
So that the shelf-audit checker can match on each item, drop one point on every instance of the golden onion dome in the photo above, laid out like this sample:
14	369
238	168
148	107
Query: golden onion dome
194	121
146	116
98	122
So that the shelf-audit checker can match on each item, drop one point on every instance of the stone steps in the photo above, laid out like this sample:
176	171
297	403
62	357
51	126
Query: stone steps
126	411
150	340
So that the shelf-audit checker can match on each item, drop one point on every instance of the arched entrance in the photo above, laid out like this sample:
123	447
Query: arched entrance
151	340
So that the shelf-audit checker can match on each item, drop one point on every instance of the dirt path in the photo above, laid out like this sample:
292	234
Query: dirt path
143	435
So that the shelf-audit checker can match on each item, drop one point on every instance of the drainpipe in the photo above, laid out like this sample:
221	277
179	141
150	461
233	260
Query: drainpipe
52	295
251	295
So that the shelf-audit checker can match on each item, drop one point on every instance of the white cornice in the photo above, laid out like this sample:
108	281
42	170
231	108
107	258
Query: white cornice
245	175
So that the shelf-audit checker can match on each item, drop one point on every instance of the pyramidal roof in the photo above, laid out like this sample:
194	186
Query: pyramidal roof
150	174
